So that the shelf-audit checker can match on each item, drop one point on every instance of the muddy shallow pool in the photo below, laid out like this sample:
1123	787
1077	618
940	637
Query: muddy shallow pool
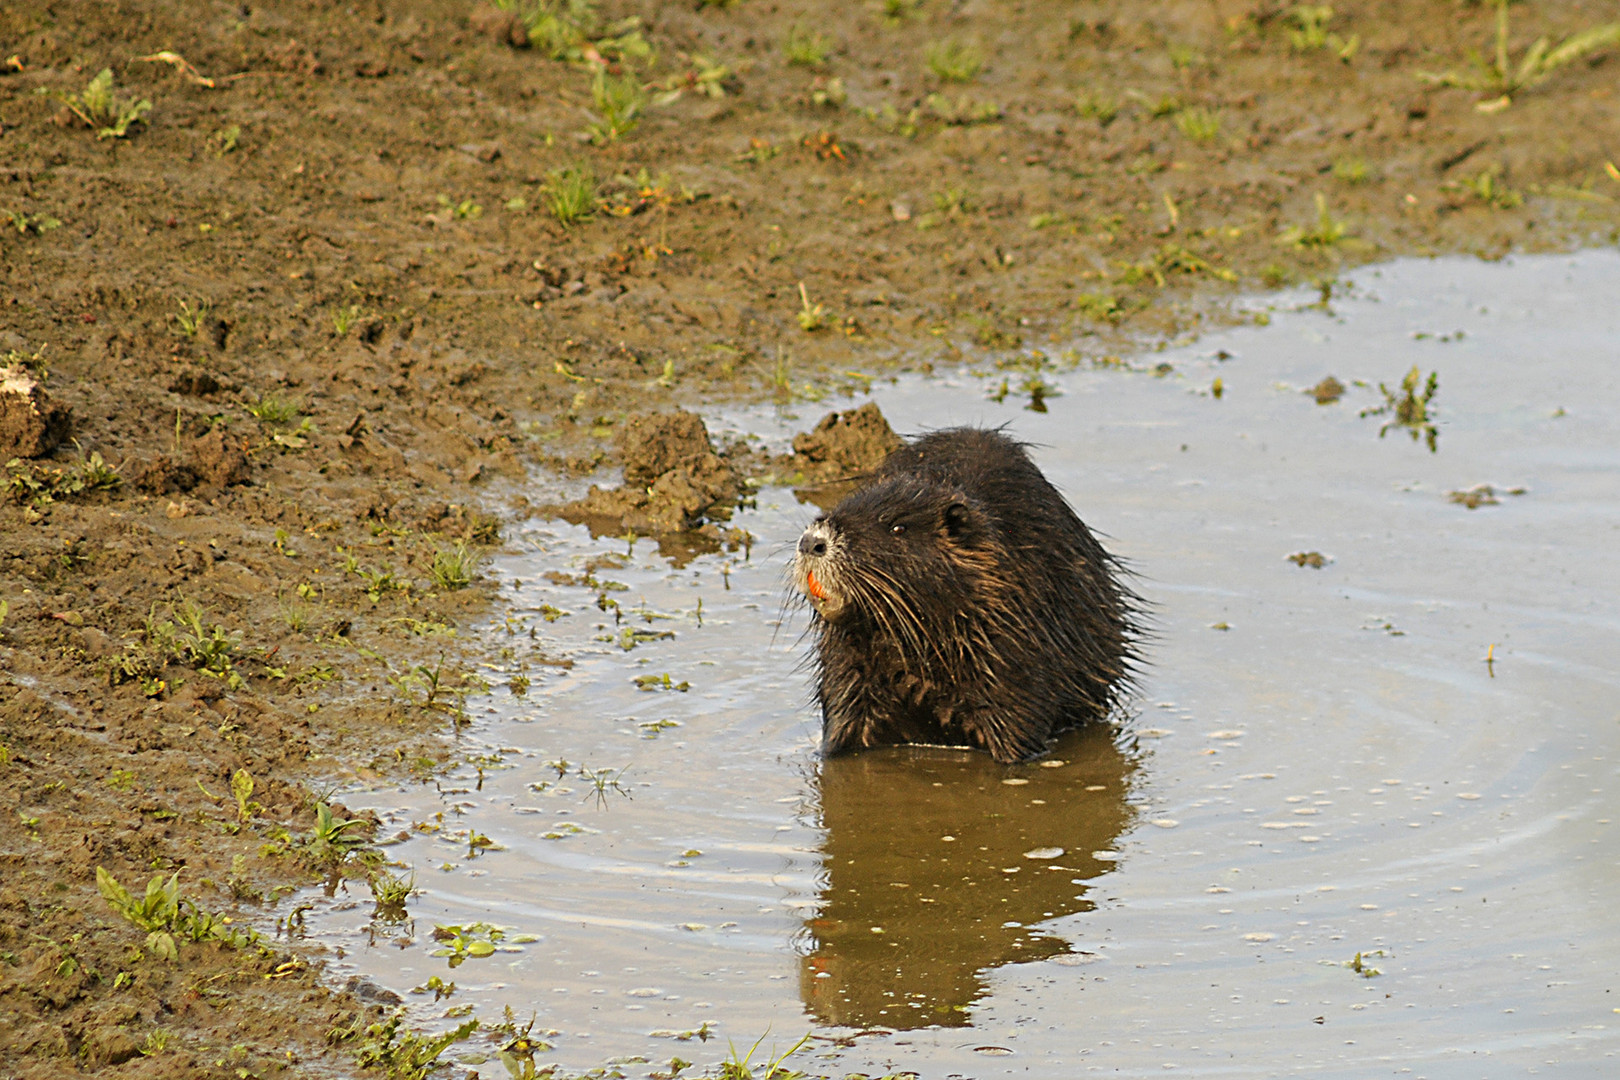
1359	820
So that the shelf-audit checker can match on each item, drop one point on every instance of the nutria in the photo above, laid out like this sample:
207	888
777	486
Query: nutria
958	600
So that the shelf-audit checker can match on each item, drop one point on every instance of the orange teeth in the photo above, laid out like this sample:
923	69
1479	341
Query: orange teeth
813	587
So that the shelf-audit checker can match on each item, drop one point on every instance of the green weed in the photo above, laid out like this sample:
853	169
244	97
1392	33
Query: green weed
1100	307
41	485
743	1068
1410	408
1199	124
32	224
191	319
1096	105
1326	233
121	779
1501	79
619	100
225	139
570	194
953	60
1168	260
455	567
344	318
410	1056
962	110
1489	188
275	410
950	204
330	841
167	918
98	108
467	209
805	48
33	362
391	890
1351	169
1311	32
811	316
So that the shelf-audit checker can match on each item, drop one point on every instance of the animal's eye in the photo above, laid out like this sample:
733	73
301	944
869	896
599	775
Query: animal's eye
897	529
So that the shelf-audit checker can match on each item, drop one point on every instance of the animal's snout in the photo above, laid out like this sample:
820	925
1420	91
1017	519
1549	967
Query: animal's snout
812	544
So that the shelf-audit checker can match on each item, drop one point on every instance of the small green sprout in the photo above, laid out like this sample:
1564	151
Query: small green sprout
32	224
619	100
1199	124
191	319
98	108
805	48
275	410
1096	105
811	316
1326	233
1410	408
570	194
455	567
1500	79
953	60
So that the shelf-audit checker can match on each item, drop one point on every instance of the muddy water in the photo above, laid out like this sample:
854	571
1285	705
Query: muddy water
1407	753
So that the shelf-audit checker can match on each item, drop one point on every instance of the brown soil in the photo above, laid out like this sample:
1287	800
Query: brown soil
314	325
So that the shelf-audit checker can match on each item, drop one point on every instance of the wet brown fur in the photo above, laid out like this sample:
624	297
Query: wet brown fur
963	603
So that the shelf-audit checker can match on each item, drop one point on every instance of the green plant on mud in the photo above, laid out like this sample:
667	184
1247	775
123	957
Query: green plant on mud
1351	169
275	410
962	110
743	1068
1311	32
330	841
34	363
429	689
1489	188
455	567
190	319
344	318
242	792
167	918
101	110
1410	408
570	194
467	209
1328	231
1168	260
1501	79
1096	105
1199	124
953	60
40	485
31	224
619	100
805	48
950	204
811	316
572	29
408	1056
391	890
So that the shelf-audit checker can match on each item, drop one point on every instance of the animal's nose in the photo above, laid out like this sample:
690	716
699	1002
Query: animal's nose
812	545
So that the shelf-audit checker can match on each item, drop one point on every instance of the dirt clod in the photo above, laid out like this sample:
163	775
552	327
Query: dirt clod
845	444
218	459
31	424
673	479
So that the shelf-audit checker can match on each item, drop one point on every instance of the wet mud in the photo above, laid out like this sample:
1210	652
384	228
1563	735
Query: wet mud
298	316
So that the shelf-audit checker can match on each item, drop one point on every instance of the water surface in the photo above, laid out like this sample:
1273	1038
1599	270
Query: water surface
1406	753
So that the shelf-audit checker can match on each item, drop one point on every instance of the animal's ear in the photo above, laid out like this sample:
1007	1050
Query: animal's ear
958	519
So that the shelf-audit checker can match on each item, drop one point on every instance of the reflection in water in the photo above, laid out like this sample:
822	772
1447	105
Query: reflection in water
937	866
